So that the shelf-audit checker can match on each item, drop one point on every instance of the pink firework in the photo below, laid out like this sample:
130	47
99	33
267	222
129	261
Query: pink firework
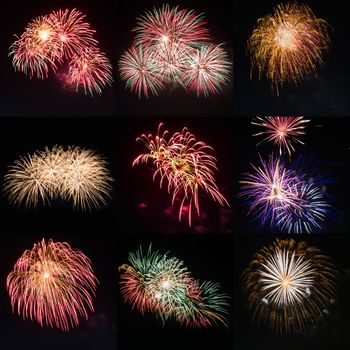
37	49
185	165
170	24
90	70
52	39
208	70
72	33
281	131
52	284
140	70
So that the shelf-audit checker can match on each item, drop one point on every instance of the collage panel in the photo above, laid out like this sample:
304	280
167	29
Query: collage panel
199	314
291	58
175	59
291	291
175	175
58	290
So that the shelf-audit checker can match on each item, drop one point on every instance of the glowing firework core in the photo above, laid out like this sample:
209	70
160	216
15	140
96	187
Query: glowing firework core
285	37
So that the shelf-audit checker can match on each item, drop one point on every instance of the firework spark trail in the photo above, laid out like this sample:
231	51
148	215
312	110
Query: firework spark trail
288	45
157	283
52	284
289	286
173	47
184	165
281	131
90	70
62	35
75	175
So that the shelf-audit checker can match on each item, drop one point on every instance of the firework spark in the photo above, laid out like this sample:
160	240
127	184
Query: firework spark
90	70
173	47
282	131
289	286
75	174
185	165
52	284
288	45
161	284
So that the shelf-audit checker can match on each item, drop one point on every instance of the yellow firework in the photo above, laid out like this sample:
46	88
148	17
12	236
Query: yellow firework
290	286
75	174
287	45
52	284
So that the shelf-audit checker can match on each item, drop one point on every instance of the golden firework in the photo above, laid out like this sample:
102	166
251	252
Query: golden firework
290	286
288	45
74	174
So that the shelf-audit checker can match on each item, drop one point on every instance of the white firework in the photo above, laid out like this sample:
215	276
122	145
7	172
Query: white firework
287	279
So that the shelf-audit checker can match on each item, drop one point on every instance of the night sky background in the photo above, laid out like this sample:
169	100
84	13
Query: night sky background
223	240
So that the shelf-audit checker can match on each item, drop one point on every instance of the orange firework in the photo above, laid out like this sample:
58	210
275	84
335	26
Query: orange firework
288	44
52	284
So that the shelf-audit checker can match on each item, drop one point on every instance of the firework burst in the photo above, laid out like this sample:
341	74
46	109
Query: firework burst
73	34
285	198
90	70
138	67
161	284
173	47
184	165
62	35
288	44
168	25
281	131
52	284
208	70
289	286
75	174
